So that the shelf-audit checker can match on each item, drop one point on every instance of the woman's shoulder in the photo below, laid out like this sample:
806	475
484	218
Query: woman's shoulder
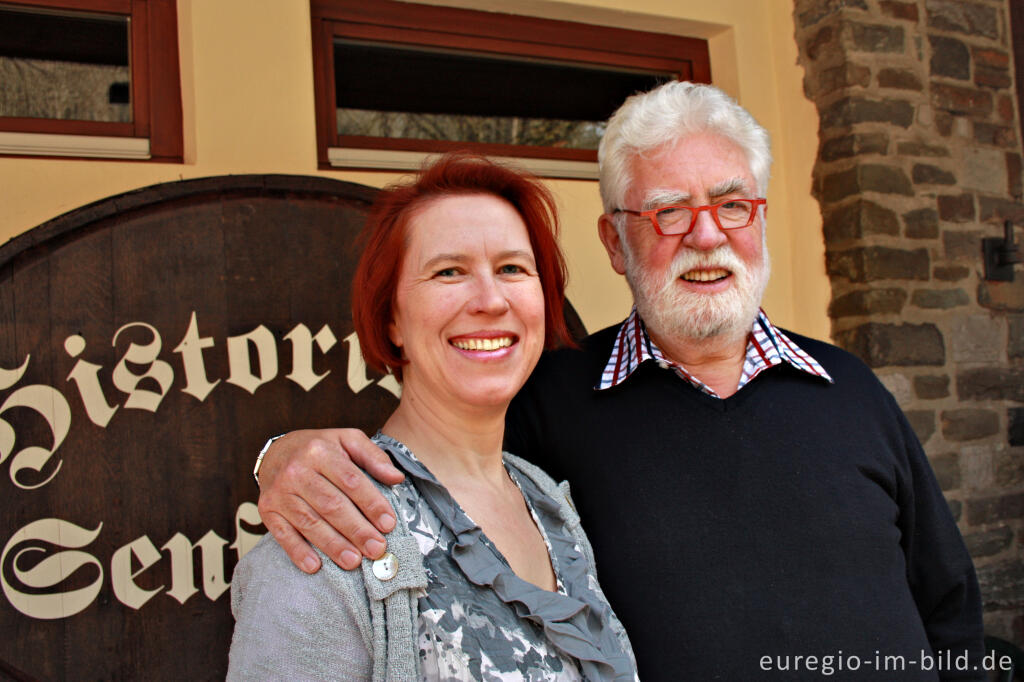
267	574
289	624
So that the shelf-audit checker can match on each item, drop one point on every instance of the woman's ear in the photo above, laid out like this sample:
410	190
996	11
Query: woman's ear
394	334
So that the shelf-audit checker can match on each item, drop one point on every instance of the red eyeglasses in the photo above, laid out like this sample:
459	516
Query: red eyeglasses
731	214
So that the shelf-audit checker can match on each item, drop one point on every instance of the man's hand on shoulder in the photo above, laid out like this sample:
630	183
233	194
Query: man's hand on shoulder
314	489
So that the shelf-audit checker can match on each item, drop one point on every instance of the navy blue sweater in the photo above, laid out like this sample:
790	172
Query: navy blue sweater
794	518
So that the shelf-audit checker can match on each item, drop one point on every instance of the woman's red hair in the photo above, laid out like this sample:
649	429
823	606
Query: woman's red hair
384	237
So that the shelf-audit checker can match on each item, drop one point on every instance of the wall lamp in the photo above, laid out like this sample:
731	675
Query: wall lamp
1000	255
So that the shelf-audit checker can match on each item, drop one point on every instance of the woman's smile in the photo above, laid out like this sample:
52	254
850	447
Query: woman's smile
484	344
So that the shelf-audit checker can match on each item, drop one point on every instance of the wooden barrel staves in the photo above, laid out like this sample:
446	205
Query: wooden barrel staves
150	343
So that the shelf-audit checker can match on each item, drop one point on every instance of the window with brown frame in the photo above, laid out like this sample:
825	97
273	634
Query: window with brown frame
395	80
90	78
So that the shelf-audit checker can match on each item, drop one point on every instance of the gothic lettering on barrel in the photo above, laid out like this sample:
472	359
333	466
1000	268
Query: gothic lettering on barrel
44	554
53	407
39	558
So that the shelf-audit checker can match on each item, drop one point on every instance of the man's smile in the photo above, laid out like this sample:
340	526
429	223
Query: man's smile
706	275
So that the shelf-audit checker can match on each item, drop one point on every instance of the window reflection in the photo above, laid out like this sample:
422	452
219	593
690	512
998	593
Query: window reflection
434	94
64	65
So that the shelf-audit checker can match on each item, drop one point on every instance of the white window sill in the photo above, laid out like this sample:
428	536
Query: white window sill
88	146
379	159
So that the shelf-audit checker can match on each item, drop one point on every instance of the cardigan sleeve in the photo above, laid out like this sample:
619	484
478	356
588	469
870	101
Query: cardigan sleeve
290	625
939	568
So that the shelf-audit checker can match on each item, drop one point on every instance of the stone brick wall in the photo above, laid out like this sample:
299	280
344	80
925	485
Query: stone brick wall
919	158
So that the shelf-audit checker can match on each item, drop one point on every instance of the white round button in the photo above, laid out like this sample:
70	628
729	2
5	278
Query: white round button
386	567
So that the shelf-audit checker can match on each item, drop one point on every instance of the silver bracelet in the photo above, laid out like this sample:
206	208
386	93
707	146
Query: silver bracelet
259	459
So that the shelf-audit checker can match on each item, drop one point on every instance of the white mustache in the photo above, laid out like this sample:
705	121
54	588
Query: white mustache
723	257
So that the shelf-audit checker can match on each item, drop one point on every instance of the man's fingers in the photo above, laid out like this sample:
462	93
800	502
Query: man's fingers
365	453
349	477
316	492
347	511
297	522
298	550
323	514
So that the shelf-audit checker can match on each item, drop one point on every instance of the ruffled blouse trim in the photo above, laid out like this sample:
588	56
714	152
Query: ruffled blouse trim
576	622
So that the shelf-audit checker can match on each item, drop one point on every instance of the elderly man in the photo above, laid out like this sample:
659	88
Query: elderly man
759	506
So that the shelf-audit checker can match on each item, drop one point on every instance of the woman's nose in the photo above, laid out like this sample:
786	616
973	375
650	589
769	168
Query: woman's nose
489	297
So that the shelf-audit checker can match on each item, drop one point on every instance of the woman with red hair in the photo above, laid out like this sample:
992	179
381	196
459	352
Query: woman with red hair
487	574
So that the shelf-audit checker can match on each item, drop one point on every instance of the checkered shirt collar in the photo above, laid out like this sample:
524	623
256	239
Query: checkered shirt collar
766	347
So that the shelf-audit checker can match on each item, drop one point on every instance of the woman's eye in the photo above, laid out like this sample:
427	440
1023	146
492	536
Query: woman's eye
510	269
446	272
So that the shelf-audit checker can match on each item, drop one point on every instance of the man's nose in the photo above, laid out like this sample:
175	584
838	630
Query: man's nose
705	235
489	297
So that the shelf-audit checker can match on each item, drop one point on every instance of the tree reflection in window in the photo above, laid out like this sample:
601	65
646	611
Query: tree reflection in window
64	65
420	93
541	132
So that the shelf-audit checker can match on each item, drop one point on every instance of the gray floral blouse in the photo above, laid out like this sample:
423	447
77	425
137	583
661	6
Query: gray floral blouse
477	619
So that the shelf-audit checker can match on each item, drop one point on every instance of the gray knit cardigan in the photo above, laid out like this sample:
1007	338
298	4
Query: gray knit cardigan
284	631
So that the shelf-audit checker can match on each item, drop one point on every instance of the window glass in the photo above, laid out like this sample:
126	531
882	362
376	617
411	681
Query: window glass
64	65
436	94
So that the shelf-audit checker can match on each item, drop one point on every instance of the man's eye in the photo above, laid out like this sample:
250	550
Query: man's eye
731	205
666	212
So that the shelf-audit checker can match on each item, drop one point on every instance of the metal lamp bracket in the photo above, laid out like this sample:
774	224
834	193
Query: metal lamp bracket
1000	255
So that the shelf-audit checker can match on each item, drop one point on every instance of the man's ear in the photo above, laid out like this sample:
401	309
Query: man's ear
612	243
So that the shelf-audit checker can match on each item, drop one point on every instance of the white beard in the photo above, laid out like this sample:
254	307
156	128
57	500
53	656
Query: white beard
670	311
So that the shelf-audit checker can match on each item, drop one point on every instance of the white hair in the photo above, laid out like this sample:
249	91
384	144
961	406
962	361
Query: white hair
666	115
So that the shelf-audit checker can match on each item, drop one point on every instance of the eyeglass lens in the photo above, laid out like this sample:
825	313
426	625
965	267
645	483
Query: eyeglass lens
736	213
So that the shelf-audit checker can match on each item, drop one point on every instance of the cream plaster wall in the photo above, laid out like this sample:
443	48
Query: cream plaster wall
247	91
